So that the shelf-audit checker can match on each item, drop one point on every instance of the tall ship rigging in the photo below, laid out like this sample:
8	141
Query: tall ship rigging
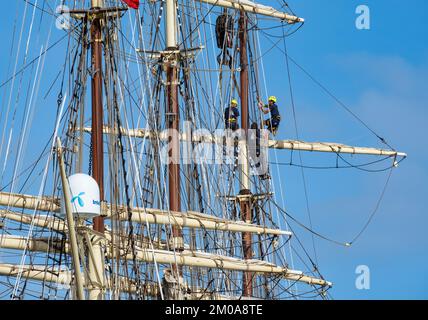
140	190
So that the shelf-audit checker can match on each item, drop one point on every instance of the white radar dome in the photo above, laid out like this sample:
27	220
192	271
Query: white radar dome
85	196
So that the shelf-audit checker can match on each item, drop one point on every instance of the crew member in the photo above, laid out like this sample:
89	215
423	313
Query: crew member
271	124
231	115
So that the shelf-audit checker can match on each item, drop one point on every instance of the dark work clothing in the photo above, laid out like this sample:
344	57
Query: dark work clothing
272	126
274	112
224	29
234	115
231	115
275	118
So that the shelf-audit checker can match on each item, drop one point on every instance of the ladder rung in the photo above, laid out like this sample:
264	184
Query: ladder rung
147	190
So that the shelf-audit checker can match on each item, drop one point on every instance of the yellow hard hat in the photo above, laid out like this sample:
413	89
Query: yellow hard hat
234	101
272	98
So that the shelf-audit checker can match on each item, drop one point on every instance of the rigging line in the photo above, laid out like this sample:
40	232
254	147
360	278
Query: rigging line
132	99
311	294
150	103
315	271
297	137
260	60
375	209
51	86
203	168
114	67
144	91
39	8
207	64
127	75
285	4
343	244
131	235
314	265
199	23
254	69
28	113
18	50
300	294
134	161
158	23
209	206
38	84
215	113
280	181
10	60
122	81
38	57
289	34
41	18
256	27
29	109
189	97
26	118
42	185
289	228
395	164
350	166
338	101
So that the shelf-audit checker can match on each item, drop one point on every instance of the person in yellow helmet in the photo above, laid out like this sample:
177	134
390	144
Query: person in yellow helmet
271	124
231	115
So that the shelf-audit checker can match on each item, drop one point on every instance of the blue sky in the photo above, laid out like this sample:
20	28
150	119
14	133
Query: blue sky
381	74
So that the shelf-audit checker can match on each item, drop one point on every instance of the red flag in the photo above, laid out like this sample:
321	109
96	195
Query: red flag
134	4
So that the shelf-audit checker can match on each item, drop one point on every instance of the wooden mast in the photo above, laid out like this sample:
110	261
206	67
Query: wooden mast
97	109
245	203
94	241
173	125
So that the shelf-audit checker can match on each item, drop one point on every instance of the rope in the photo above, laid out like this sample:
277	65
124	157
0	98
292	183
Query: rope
297	137
328	92
350	165
375	210
359	234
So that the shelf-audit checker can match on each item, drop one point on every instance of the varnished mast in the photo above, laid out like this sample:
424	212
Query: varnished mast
173	124
245	187
97	109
